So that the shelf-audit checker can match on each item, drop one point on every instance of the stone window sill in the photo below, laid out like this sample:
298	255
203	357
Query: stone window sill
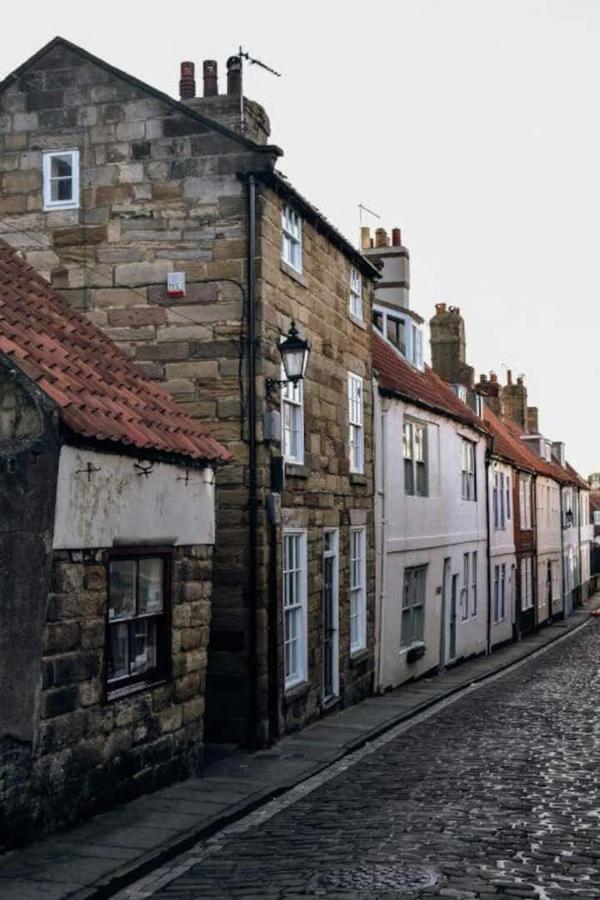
297	691
131	689
359	322
414	652
356	478
295	275
295	470
359	656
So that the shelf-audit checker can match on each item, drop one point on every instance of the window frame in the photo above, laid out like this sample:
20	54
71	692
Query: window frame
409	426
405	643
527	598
74	201
465	587
291	238
356	295
356	429
468	452
301	676
116	688
525	505
292	399
360	589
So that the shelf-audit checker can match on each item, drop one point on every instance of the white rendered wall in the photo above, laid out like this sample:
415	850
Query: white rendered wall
548	542
116	504
502	552
413	531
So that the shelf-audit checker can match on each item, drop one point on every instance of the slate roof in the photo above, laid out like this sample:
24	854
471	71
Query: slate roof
426	389
100	394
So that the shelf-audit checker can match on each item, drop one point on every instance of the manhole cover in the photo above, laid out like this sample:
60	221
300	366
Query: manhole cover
380	877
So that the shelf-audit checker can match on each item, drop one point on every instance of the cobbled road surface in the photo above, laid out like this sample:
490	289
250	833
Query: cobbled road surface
496	794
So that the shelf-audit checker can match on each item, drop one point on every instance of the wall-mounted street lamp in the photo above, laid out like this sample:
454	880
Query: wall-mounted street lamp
294	356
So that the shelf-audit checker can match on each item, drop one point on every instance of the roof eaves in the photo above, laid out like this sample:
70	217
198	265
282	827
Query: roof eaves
270	149
282	186
397	394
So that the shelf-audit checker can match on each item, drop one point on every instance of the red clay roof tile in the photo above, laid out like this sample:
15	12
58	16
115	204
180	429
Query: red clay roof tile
423	388
99	392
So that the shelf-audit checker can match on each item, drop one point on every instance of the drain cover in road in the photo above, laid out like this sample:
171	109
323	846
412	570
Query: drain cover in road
380	877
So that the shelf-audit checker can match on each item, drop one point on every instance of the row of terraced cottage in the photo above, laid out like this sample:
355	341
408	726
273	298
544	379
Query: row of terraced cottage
193	546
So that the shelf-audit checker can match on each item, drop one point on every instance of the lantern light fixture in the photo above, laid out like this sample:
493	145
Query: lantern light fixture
294	351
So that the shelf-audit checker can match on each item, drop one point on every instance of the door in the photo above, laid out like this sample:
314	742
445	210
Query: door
453	618
330	615
444	610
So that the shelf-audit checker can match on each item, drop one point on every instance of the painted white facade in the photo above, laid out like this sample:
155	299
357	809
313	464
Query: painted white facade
438	532
586	536
103	500
503	560
548	542
570	546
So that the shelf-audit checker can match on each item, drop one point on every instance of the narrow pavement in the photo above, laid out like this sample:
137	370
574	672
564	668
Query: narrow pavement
495	794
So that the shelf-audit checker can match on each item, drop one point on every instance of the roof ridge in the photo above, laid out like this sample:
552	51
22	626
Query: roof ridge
143	85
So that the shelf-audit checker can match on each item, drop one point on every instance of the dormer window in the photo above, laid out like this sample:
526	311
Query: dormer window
395	332
61	179
291	248
356	304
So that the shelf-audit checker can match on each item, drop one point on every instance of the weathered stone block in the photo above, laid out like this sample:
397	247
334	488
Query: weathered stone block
20	182
137	316
143	273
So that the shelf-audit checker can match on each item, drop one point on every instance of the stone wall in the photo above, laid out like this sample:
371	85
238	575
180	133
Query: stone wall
89	753
160	193
322	493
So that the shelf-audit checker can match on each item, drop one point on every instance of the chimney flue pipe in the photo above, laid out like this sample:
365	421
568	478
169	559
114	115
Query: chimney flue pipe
234	75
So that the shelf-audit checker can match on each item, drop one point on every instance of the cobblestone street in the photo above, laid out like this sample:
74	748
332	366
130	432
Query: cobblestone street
495	794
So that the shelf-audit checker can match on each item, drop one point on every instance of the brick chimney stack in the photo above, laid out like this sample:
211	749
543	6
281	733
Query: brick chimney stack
514	401
243	116
533	420
490	390
448	346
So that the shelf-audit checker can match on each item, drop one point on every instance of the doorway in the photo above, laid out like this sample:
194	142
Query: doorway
330	614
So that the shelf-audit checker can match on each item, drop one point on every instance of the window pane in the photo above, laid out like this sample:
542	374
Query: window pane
409	484
421	479
118	651
143	645
61	166
61	189
150	586
122	589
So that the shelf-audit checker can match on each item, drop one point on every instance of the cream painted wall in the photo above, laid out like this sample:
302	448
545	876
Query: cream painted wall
115	504
502	552
413	531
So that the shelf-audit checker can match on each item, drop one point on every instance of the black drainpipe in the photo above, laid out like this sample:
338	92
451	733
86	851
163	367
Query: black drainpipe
252	457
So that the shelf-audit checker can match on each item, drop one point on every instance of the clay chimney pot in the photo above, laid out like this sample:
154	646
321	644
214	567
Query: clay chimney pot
210	77
187	81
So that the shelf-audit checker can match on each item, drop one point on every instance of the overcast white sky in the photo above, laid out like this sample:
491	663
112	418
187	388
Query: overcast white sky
471	124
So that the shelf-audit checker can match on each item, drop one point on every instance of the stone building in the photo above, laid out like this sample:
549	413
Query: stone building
107	528
166	224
